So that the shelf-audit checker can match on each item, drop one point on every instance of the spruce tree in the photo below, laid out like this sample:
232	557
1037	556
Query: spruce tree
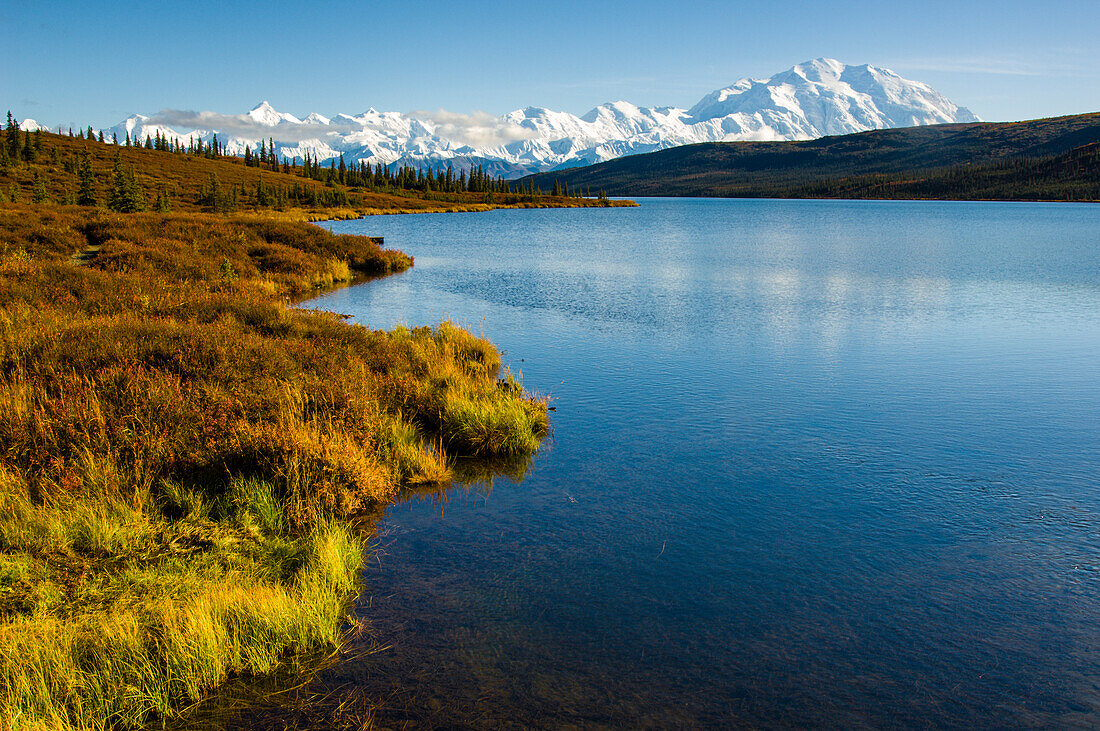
85	196
38	192
261	193
125	196
211	194
13	137
116	198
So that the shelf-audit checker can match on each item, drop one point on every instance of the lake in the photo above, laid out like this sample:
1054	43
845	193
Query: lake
812	463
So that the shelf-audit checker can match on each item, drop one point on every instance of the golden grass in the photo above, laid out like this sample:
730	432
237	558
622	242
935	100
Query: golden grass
180	450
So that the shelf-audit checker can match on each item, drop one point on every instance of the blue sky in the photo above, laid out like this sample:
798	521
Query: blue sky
79	63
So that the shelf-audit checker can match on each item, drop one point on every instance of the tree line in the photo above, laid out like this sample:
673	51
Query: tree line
125	194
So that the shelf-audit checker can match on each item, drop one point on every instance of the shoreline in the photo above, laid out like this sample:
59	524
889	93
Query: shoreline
276	429
867	198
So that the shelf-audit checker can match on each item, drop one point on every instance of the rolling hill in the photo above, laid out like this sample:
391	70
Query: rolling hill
1049	159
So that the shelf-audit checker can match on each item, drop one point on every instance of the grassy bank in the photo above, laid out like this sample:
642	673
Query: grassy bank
180	451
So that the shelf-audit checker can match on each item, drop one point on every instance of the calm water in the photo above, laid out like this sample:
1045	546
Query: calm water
813	463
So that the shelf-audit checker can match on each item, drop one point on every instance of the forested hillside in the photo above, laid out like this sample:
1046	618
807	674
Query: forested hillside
128	175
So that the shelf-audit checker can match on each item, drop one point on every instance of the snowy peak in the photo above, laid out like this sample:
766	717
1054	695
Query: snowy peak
811	99
265	114
821	70
827	97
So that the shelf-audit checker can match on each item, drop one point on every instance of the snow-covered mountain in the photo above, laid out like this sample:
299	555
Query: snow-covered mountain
813	99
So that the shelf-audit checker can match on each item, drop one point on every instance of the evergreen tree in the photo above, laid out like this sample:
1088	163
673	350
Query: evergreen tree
29	153
114	138
211	195
85	196
38	192
262	198
13	137
125	196
101	136
91	133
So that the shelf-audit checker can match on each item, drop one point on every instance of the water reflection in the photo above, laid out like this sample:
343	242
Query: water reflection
813	463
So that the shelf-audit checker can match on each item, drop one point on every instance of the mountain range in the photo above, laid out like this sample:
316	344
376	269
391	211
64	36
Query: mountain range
810	100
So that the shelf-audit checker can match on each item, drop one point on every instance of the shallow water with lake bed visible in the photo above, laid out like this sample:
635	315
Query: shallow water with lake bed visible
812	463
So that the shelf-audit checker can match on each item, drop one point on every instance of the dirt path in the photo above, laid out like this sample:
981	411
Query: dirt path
89	253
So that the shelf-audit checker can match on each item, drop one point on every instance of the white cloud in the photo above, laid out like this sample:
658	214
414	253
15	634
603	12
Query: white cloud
1000	66
477	129
241	125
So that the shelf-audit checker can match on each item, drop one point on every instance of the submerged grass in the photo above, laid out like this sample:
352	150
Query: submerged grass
180	451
